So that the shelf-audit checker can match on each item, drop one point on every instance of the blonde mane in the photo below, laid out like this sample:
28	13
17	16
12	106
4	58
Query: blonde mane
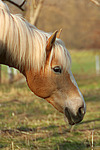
25	45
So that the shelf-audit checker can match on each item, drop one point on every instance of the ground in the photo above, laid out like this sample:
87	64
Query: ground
28	122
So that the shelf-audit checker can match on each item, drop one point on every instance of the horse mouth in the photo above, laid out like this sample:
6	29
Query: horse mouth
72	119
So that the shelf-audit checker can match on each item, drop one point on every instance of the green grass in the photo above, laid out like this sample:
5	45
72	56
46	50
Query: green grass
83	62
30	123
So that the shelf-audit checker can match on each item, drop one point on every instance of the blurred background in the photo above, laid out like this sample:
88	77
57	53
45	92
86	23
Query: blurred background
80	23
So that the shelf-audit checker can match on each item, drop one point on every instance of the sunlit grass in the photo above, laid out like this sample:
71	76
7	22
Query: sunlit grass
83	62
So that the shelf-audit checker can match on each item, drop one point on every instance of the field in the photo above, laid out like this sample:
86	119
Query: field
30	123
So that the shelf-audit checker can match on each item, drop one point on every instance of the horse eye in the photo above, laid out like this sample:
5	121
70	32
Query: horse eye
57	69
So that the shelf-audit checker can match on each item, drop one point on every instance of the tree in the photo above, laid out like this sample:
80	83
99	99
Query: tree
33	8
95	2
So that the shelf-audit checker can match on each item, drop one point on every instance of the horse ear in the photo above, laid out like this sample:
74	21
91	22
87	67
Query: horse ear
59	33
51	41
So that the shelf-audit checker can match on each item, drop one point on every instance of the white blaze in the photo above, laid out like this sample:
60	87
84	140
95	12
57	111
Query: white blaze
74	82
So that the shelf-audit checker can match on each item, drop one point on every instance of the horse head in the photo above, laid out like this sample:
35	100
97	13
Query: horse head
45	62
55	82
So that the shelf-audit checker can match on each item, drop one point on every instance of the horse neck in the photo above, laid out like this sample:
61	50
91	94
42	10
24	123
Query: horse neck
6	59
9	41
8	54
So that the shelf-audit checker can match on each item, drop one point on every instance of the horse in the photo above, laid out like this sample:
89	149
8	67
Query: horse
44	61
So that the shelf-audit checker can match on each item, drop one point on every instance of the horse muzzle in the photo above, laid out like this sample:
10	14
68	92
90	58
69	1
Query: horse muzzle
75	117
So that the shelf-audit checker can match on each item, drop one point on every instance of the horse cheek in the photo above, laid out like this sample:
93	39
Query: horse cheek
39	85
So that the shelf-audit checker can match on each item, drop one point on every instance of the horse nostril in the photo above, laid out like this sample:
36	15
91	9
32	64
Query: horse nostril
81	112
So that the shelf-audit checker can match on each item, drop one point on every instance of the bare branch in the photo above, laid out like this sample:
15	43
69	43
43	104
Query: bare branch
17	5
37	12
95	2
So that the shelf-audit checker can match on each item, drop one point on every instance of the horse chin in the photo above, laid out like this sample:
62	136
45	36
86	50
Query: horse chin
69	120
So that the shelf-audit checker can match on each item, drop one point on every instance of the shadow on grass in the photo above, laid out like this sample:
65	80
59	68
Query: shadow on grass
26	129
69	145
88	121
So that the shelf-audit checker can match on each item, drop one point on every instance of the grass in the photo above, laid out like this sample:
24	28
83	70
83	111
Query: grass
83	62
30	123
